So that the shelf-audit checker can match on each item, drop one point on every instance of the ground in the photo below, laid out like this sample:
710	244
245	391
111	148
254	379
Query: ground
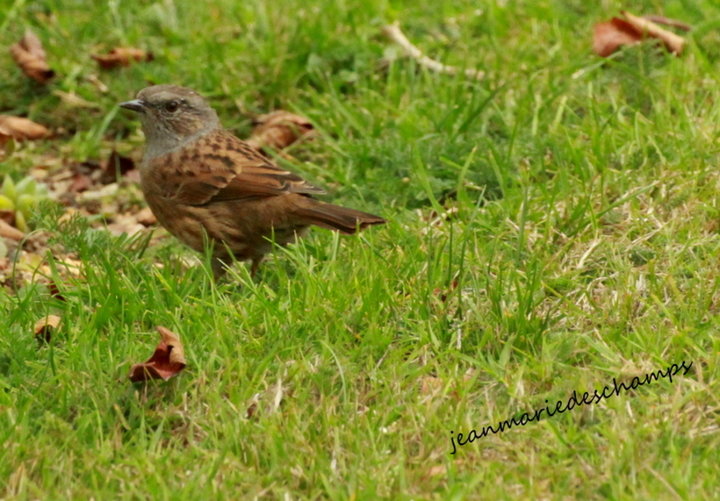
552	227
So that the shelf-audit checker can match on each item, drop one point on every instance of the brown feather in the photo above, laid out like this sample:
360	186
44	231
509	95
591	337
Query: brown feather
334	217
230	170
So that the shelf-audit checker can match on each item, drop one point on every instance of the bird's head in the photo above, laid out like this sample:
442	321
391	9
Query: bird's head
171	115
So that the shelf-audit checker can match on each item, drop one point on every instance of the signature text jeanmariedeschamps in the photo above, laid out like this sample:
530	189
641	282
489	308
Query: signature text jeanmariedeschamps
572	402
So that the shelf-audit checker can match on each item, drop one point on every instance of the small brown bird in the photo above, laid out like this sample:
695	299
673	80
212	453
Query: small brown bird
205	185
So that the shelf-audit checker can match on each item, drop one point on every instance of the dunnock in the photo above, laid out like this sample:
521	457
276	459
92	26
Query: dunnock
203	183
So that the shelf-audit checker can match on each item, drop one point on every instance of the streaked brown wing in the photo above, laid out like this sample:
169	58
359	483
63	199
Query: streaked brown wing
221	167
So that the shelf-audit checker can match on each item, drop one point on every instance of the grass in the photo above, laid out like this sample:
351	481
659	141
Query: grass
574	202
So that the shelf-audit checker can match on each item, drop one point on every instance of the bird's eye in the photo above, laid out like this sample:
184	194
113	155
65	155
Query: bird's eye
172	106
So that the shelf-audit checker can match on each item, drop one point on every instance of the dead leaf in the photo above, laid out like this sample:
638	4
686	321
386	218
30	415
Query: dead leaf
29	55
443	295
7	231
20	128
45	326
167	360
125	228
55	291
252	406
8	215
279	129
80	182
610	36
122	56
146	217
116	166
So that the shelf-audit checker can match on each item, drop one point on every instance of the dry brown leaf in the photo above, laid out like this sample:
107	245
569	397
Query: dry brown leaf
80	182
610	36
279	129
8	215
20	128
252	406
29	55
122	56
167	360
116	166
55	291
45	326
146	217
125	226
443	294
8	231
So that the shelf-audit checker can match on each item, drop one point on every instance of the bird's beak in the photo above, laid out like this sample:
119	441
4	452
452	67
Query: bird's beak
135	105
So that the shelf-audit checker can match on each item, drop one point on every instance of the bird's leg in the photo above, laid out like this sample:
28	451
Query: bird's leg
218	267
255	265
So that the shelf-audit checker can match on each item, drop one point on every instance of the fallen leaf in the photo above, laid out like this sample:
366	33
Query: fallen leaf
80	182
122	56
443	295
8	215
116	166
125	227
146	217
609	36
45	326
55	291
279	129
7	231
29	55
252	406
20	128
167	360
107	191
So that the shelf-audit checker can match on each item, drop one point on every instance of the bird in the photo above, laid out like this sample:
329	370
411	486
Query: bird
207	186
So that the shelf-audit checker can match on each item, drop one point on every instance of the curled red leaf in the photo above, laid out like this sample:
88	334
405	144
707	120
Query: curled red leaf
167	360
610	36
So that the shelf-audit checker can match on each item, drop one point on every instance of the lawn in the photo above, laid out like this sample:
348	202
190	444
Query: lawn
552	227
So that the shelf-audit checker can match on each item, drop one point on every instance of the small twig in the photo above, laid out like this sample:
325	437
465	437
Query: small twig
668	22
673	42
395	34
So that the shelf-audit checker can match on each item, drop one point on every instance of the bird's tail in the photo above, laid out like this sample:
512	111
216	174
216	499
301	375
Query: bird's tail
334	217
